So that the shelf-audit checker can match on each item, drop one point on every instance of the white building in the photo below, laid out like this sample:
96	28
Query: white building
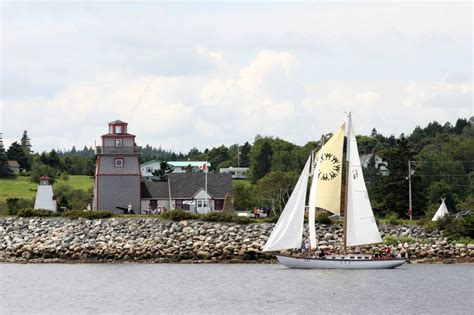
379	163
237	172
44	195
149	167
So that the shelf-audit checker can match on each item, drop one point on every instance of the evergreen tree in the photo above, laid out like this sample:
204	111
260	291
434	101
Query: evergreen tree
15	152
5	170
26	143
374	133
163	171
54	160
244	155
26	147
394	187
260	158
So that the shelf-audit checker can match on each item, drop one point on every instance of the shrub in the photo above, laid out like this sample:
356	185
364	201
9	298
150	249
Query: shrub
30	212
323	218
242	220
178	215
272	219
406	239
3	207
16	204
390	240
74	214
392	219
218	217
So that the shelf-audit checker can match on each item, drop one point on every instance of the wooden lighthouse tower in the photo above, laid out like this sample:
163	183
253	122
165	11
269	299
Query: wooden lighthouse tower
117	179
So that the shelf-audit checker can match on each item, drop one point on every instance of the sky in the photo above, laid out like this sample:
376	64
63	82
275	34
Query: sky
189	74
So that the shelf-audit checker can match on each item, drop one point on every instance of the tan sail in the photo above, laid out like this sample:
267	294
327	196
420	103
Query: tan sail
329	184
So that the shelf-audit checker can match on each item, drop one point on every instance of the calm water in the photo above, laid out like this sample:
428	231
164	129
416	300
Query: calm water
175	288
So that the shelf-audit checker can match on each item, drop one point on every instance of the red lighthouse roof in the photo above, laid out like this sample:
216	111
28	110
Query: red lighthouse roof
118	122
45	177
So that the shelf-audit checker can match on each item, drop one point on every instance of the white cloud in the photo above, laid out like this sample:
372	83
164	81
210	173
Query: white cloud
185	76
223	108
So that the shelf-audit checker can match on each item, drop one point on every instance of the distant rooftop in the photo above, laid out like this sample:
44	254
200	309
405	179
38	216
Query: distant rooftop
180	163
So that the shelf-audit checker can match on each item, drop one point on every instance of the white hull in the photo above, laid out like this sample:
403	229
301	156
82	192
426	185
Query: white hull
338	263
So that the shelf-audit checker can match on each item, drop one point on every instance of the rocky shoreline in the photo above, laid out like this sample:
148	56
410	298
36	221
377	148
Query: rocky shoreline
151	240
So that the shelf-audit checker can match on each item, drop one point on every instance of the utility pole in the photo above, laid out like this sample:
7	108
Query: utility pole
238	156
410	209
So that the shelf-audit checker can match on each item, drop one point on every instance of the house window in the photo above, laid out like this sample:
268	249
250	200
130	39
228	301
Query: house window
118	162
149	169
179	204
118	142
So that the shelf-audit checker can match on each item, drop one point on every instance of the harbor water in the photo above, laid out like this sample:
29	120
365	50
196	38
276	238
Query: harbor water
233	289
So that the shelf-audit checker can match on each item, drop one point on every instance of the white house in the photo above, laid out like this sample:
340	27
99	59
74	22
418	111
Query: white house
237	172
149	167
379	163
44	195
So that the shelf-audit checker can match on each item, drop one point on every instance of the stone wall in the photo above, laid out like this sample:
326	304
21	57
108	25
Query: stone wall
154	240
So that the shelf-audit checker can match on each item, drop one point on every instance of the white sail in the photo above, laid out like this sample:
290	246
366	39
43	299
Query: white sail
330	173
288	232
442	211
361	228
312	204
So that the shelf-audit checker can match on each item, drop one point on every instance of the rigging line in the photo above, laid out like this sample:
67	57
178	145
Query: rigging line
444	175
450	161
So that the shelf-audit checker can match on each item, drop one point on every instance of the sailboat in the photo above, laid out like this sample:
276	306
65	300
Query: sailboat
323	173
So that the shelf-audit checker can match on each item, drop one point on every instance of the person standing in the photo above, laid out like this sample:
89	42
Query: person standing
307	248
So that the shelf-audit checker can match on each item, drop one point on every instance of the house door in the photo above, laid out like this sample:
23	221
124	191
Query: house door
202	206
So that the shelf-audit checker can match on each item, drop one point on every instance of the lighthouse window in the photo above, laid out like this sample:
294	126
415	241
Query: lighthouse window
118	162
118	129
118	142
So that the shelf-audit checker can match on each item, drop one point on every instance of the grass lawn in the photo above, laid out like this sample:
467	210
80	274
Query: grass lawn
22	187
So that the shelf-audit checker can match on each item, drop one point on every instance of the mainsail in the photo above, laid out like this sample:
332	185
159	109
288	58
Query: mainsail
361	228
442	211
330	173
312	203
288	231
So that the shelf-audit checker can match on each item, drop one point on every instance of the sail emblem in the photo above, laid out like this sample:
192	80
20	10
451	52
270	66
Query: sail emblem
330	167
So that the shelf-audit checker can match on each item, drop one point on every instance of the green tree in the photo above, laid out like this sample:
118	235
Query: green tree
260	158
5	170
73	199
15	152
394	187
39	169
54	159
163	171
244	195
26	143
244	155
275	189
218	155
26	146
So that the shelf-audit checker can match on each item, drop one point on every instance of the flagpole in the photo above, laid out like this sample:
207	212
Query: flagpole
205	188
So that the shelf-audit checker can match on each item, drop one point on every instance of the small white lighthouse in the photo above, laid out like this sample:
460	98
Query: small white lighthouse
44	195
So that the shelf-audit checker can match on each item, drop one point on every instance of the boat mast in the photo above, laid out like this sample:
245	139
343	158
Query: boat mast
346	188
